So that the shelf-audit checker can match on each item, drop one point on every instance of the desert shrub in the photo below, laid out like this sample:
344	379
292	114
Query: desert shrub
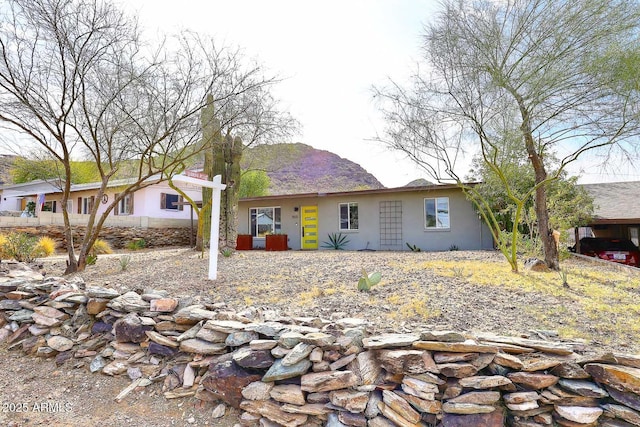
19	246
101	247
45	246
3	241
136	244
124	262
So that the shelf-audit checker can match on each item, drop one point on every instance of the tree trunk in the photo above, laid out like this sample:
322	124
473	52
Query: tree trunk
549	247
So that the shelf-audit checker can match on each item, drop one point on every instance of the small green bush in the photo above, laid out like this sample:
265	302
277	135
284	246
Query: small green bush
19	246
136	244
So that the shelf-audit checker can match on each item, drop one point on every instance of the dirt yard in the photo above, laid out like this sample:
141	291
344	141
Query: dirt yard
464	291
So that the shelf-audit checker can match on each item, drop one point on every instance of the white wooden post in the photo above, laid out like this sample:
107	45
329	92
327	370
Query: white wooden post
217	187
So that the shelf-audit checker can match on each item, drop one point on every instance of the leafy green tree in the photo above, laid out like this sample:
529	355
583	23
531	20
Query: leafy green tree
255	183
28	169
551	75
569	204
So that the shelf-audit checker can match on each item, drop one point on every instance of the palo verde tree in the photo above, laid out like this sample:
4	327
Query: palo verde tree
78	81
551	76
569	204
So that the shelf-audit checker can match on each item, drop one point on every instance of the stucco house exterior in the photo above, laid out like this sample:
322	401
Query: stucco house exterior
155	201
432	217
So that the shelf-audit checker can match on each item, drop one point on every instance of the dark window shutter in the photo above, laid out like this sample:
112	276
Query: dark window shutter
116	209
79	205
163	200
130	204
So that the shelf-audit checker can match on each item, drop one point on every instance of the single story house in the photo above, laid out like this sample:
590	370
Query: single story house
431	217
155	201
616	211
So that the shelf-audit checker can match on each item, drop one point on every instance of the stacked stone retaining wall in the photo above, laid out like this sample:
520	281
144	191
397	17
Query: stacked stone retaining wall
283	371
117	237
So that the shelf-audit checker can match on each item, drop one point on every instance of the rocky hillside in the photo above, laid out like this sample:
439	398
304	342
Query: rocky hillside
299	168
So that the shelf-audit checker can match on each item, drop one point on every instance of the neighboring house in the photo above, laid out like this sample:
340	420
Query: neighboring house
15	197
616	211
155	201
432	217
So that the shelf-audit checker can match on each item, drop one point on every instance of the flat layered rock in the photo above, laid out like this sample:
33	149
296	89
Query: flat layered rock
579	414
390	341
257	390
273	412
59	343
492	419
484	382
353	401
129	302
319	339
226	381
478	398
396	418
225	326
631	400
533	381
100	292
327	381
192	314
161	339
367	368
409	361
468	346
297	353
622	412
237	339
422	405
466	408
442	336
317	409
255	359
287	393
400	406
583	388
163	305
621	378
540	345
278	371
198	346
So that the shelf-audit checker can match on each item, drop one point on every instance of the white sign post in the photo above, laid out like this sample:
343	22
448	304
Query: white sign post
217	187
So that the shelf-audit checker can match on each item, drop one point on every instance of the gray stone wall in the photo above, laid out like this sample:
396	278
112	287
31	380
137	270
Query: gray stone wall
117	237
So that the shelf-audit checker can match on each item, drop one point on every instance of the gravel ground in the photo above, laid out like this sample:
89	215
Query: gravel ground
323	284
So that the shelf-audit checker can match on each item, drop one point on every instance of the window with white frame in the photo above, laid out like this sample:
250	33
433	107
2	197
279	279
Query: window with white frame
125	205
172	202
265	221
348	216
436	213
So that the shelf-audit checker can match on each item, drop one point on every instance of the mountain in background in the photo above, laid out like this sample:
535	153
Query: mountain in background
300	168
292	168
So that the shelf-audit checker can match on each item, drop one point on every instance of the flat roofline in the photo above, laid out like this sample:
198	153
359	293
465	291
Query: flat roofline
433	187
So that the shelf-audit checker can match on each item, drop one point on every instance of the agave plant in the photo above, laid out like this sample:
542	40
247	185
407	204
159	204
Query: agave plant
367	281
337	241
